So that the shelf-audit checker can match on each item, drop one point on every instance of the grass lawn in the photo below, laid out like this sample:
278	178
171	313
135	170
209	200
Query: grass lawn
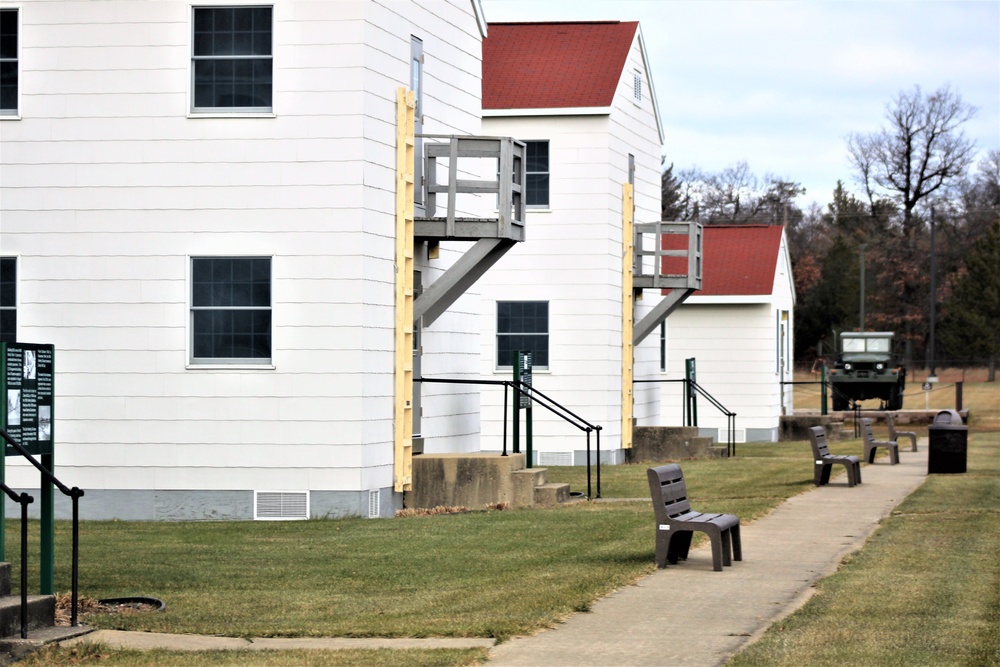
502	573
924	590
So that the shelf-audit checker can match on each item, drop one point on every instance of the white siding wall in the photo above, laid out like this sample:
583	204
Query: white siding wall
733	345
110	186
573	260
634	131
736	348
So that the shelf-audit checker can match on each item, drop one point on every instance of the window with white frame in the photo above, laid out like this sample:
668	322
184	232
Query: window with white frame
522	326
8	62
536	174
8	299
231	59
231	310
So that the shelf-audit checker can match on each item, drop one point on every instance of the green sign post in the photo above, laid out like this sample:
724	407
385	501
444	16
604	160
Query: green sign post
522	374
690	395
27	375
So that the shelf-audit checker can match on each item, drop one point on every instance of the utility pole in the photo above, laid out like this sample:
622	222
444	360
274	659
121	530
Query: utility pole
932	376
861	317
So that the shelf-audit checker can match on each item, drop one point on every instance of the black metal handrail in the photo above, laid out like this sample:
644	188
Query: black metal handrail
549	404
692	385
24	500
75	494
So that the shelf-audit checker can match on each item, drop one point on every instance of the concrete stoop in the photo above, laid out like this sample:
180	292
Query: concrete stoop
41	622
651	444
480	480
796	427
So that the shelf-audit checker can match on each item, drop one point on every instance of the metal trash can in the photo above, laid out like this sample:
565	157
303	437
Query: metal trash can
949	443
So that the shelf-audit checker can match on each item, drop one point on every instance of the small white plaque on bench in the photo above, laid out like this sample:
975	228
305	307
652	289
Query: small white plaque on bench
664	526
819	463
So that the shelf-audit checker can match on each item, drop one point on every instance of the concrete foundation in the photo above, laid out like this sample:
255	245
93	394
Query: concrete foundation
480	480
653	444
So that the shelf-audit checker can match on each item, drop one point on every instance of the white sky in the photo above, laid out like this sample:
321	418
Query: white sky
780	84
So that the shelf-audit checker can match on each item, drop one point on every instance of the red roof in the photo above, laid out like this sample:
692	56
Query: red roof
554	65
738	259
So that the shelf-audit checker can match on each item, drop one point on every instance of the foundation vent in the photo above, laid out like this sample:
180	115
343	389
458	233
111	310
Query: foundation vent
739	435
374	498
554	458
280	505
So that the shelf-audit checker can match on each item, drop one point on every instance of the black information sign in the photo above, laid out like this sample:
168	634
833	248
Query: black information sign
26	382
524	366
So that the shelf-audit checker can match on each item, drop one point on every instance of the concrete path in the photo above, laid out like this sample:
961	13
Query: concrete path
784	553
717	613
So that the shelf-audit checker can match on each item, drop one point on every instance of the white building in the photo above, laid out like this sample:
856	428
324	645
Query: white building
199	210
739	329
581	97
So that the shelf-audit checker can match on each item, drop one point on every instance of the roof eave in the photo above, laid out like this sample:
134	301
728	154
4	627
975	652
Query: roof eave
652	88
550	111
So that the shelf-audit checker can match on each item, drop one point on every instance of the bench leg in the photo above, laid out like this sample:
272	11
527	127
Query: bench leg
718	549
734	534
869	454
857	472
680	544
894	455
727	548
822	474
662	547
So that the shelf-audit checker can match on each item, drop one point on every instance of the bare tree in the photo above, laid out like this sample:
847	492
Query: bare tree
921	151
736	196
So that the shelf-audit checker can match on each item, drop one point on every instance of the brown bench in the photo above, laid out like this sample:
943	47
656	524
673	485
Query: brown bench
676	522
872	445
823	460
894	434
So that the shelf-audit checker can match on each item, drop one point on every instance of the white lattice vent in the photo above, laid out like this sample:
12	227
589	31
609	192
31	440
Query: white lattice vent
374	498
739	435
554	458
280	505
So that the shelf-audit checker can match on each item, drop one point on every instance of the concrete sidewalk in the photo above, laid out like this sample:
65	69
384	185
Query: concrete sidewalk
716	613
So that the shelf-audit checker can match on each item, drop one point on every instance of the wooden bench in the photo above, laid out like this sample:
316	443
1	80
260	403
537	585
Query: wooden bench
872	445
823	460
676	522
894	434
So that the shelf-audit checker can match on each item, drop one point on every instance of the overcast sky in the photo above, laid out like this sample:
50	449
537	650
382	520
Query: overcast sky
781	84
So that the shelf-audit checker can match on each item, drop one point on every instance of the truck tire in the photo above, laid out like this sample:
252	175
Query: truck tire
839	403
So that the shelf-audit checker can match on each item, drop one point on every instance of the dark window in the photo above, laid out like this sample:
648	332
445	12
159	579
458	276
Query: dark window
8	299
231	309
231	61
523	326
8	61
663	346
536	173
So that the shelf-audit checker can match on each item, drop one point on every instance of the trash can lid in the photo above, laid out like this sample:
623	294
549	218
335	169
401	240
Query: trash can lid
948	418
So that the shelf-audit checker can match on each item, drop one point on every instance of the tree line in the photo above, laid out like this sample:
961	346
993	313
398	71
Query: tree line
918	183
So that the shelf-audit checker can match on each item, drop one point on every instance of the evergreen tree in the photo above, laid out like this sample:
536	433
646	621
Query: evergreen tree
970	326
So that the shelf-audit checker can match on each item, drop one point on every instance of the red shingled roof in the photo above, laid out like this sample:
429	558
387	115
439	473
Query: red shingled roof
554	65
737	259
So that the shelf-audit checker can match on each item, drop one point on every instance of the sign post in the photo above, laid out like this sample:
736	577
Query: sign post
522	375
27	374
692	398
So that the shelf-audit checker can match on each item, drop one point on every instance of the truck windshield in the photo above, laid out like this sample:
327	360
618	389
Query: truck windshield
853	344
878	344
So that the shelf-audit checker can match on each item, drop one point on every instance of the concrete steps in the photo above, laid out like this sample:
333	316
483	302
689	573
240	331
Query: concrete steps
42	629
671	443
481	480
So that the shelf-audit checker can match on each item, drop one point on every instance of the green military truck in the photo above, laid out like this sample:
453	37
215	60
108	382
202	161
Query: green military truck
866	368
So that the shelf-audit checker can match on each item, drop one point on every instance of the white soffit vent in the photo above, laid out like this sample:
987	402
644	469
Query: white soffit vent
280	505
374	498
554	458
739	435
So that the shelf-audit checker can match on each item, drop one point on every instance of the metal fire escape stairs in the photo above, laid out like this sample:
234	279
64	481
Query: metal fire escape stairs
492	236
666	256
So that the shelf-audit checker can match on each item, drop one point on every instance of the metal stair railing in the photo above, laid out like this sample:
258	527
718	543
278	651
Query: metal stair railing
74	494
549	404
690	420
24	500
